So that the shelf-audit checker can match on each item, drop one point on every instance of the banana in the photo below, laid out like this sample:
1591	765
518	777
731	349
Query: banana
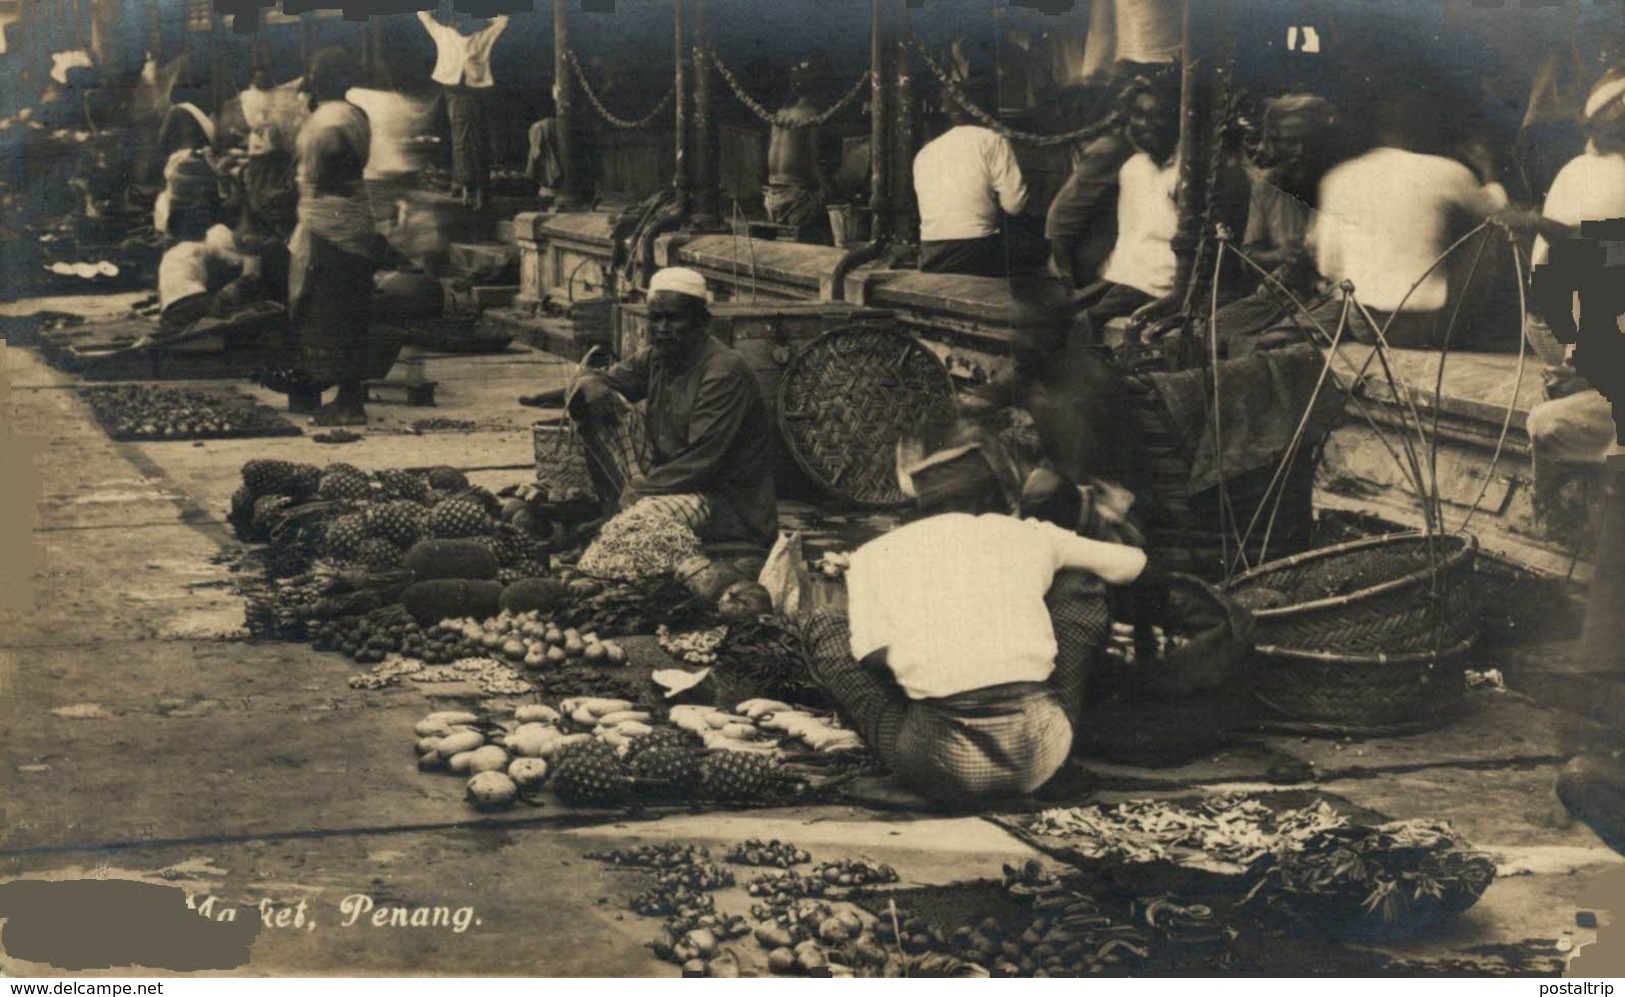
614	739
623	716
783	720
758	708
584	717
633	728
599	707
741	732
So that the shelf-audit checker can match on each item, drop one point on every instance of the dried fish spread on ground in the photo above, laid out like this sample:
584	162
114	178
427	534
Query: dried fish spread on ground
1230	829
637	544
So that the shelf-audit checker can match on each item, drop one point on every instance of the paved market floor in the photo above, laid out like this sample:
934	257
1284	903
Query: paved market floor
142	743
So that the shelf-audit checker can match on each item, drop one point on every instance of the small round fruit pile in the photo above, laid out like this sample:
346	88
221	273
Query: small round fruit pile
530	639
780	854
371	638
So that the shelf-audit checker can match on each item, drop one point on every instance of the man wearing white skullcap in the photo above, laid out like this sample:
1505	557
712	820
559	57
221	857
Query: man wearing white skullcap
1575	428
709	454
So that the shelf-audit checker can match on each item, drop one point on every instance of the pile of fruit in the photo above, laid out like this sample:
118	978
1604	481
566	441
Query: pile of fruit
600	752
527	638
344	515
146	412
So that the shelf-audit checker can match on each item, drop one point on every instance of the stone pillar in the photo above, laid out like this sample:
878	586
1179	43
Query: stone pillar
879	123
707	195
905	133
568	193
1195	130
680	180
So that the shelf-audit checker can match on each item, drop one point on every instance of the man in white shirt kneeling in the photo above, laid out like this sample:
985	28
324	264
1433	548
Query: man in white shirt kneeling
965	658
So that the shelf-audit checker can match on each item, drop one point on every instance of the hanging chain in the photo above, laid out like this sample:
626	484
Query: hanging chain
780	120
606	113
1026	138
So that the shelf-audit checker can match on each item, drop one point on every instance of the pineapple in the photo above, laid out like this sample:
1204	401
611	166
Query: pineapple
344	535
522	570
666	759
457	518
736	775
343	483
401	522
267	512
588	773
267	477
377	554
242	506
403	485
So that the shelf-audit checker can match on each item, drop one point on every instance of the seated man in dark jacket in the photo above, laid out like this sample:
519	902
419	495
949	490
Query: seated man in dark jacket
707	457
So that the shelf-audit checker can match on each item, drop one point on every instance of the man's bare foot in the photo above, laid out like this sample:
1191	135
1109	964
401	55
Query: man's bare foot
340	414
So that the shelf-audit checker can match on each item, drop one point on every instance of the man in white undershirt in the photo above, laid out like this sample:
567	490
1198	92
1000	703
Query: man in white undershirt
1383	219
965	657
463	70
963	180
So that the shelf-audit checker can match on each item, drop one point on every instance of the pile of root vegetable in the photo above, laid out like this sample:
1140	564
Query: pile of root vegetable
138	412
606	752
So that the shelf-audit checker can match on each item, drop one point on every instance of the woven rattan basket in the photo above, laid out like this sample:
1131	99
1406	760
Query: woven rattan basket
561	460
1395	594
846	400
1334	694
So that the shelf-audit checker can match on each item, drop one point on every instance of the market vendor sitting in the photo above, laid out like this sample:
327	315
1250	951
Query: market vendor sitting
708	453
965	658
214	278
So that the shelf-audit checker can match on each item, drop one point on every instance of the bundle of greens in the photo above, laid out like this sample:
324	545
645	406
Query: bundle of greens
1379	879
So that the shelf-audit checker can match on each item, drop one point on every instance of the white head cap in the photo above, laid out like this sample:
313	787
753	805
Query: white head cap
1609	89
679	280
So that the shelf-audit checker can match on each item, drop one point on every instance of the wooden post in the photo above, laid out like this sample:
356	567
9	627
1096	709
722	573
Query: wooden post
905	133
304	43
680	175
567	197
707	194
1195	127
1602	641
879	124
156	45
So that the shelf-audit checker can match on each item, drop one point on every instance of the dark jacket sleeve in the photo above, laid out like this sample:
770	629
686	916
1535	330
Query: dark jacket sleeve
629	377
721	407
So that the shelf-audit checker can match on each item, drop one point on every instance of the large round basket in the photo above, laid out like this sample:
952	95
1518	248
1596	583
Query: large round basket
1370	695
1394	594
846	400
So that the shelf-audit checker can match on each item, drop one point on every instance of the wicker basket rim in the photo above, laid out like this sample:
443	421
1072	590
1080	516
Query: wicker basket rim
787	379
1380	658
1469	545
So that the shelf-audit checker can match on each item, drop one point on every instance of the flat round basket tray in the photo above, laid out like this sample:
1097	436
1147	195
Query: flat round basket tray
846	400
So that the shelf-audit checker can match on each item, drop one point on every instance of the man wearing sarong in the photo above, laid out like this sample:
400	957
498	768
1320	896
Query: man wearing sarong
707	454
334	246
544	163
965	658
463	70
1296	151
797	185
1575	428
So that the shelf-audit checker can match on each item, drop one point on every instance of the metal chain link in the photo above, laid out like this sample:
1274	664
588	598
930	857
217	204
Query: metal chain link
1026	138
606	113
778	120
